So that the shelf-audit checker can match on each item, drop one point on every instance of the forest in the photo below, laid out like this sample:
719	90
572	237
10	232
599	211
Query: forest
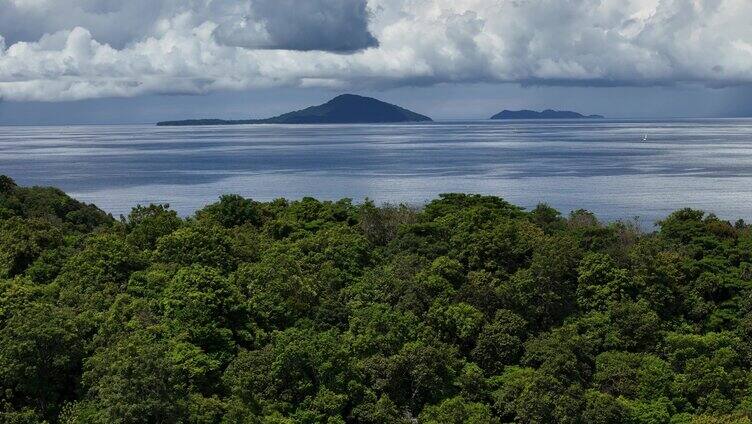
466	310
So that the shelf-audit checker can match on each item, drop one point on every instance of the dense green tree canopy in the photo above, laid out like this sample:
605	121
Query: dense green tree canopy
468	310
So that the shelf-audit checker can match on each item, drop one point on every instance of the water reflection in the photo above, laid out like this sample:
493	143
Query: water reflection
601	165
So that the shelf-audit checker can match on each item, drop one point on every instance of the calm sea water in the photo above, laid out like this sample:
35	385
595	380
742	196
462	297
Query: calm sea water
603	166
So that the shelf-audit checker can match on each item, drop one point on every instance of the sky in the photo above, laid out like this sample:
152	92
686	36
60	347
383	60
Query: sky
141	61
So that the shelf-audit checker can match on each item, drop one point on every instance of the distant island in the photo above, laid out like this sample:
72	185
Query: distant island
546	114
343	109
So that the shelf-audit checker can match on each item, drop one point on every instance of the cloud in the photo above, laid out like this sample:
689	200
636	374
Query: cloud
331	25
99	48
114	22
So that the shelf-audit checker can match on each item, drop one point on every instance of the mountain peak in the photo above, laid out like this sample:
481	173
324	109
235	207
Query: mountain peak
343	109
348	96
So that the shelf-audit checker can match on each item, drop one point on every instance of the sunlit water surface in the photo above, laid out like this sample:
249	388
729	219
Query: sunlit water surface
603	166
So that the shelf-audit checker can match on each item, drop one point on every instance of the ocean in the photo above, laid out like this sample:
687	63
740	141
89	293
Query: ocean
616	169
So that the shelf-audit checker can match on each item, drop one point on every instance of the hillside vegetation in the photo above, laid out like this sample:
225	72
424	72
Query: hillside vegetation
469	310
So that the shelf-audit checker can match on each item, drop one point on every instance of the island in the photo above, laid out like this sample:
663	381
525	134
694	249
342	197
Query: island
343	109
546	114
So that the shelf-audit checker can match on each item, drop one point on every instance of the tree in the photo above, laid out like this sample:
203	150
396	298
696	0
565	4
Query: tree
457	410
91	278
457	323
381	225
710	376
419	374
600	283
41	349
146	224
298	368
197	244
143	377
633	375
209	311
23	241
500	342
602	408
232	211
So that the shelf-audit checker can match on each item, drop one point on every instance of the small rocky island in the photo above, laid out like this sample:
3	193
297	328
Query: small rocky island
343	109
546	114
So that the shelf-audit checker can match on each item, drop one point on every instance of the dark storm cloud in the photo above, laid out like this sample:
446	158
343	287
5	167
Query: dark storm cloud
328	25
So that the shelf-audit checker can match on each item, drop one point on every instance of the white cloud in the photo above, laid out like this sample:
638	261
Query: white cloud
96	48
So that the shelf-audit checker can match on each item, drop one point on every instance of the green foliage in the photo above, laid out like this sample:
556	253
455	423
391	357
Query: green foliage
141	377
469	310
600	282
457	323
711	373
41	350
23	241
299	368
203	307
146	224
419	374
232	211
92	277
49	204
381	225
458	411
203	244
602	408
500	342
633	375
